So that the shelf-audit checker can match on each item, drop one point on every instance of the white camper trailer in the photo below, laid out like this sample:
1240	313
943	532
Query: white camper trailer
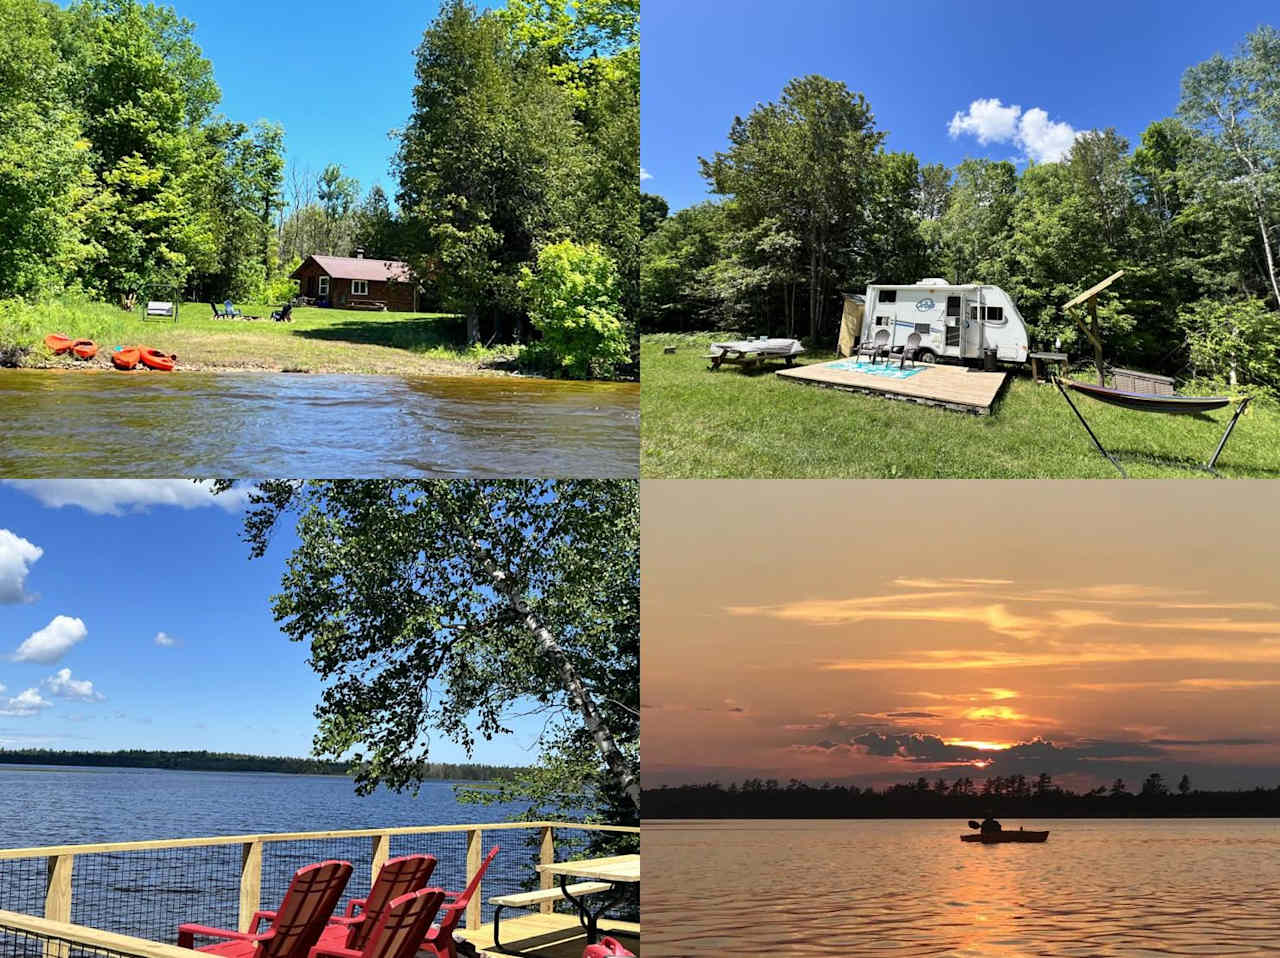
944	320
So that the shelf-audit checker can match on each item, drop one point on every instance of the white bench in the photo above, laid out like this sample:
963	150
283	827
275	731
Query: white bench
532	899
159	308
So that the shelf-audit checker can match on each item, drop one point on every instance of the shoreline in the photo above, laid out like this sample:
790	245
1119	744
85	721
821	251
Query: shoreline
423	368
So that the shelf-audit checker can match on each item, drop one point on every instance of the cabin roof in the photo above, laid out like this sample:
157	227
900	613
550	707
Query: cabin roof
357	267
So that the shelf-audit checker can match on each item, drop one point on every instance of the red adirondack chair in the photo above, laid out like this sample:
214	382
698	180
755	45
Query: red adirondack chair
607	948
397	877
400	929
440	938
295	926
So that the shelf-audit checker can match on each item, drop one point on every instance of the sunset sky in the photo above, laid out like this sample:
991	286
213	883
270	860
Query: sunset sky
873	632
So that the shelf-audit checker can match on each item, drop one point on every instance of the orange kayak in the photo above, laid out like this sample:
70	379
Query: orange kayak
125	357
58	343
85	348
162	362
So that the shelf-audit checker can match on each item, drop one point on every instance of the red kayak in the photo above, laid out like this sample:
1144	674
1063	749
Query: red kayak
58	343
154	359
125	357
84	348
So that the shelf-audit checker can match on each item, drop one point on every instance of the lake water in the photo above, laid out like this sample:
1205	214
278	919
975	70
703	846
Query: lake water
148	893
1114	887
56	424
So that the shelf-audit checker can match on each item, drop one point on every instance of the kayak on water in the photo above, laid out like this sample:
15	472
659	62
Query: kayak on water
58	343
84	348
992	838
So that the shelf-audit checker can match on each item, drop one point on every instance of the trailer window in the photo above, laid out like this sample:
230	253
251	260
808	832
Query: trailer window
884	320
953	305
923	329
888	296
993	315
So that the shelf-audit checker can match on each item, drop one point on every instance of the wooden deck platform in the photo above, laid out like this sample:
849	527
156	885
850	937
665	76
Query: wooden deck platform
544	936
954	387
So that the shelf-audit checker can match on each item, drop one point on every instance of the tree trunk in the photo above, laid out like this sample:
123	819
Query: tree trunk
1266	250
813	290
473	326
572	684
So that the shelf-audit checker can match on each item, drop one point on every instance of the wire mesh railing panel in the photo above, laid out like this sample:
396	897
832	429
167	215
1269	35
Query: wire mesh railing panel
575	843
280	860
450	851
19	943
22	885
516	867
148	894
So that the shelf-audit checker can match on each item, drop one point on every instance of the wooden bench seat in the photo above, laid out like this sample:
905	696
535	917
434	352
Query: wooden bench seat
532	899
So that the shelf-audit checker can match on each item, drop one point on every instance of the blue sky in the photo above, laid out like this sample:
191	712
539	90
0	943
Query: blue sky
93	571
337	76
1088	65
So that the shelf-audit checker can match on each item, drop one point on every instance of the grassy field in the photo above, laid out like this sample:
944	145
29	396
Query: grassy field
318	340
695	423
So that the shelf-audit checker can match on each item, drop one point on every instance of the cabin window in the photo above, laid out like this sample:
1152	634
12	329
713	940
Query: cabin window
993	315
888	296
953	305
324	285
359	287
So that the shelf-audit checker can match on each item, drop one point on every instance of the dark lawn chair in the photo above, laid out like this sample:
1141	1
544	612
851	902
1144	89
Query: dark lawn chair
910	351
875	347
218	313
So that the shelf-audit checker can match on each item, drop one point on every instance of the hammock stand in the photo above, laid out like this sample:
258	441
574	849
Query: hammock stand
1151	402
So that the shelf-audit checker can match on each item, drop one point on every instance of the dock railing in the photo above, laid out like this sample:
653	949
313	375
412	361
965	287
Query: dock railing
145	889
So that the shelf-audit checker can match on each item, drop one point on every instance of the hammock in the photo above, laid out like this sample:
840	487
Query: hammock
1151	402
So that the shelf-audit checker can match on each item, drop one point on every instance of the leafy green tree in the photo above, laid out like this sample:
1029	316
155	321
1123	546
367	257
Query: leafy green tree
448	605
808	162
488	164
674	295
376	229
44	163
575	303
1234	104
976	224
653	213
1236	341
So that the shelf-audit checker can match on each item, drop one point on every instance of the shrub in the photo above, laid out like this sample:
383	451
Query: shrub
574	302
1235	341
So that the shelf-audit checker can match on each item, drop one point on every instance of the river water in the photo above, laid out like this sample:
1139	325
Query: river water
1113	887
55	424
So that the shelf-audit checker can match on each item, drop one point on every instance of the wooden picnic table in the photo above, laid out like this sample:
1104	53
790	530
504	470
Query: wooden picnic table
618	870
1046	358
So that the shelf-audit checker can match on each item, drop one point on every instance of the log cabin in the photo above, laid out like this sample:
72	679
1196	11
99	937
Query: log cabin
357	282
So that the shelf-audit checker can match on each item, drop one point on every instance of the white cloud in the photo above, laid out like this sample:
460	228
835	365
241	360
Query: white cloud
165	639
645	175
51	643
16	558
1041	139
1044	140
988	120
63	685
117	496
29	702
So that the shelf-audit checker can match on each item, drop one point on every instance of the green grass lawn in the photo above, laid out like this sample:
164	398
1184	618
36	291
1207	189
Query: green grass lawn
318	340
695	423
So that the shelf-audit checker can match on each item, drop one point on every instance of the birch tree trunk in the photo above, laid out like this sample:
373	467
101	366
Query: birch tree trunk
581	698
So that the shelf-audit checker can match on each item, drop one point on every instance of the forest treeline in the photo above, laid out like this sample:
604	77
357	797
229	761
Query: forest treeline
1013	796
202	761
119	178
809	203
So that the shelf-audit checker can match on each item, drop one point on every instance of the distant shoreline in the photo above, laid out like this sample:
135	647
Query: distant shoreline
202	761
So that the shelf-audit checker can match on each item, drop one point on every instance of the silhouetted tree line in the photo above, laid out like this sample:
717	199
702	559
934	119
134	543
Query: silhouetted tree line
202	761
1014	796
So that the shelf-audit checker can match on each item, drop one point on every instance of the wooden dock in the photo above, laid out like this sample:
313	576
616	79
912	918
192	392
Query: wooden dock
545	936
953	387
